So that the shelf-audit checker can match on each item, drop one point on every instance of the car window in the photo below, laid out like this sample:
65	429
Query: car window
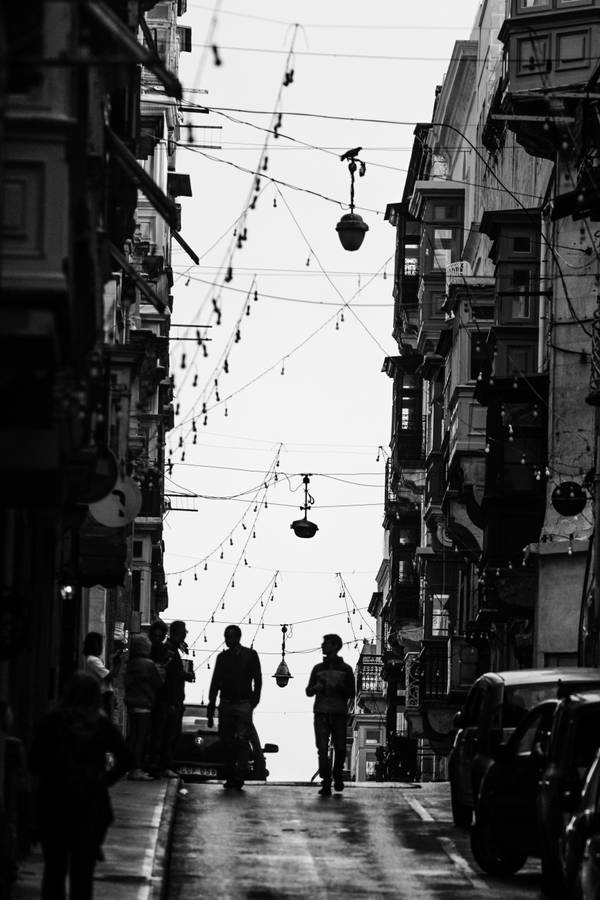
535	730
520	698
586	738
590	797
474	704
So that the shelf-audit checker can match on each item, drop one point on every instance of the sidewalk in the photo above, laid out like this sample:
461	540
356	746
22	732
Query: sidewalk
135	848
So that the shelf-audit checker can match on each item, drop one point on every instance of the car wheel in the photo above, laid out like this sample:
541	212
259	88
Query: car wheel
493	852
461	813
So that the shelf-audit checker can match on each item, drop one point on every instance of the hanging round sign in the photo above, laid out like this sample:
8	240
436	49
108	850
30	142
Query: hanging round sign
120	506
569	498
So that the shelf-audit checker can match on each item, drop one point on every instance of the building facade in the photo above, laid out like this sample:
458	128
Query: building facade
88	130
491	472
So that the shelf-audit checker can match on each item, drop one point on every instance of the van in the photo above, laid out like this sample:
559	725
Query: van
495	704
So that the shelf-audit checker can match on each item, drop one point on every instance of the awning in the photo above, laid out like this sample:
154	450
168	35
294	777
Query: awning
125	158
102	554
135	276
179	184
118	30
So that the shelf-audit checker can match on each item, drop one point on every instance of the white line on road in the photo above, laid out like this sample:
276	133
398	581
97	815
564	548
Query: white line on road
451	851
420	810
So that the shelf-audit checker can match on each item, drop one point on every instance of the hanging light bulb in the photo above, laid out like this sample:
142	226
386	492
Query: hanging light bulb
205	639
205	566
195	575
195	381
230	541
221	554
212	619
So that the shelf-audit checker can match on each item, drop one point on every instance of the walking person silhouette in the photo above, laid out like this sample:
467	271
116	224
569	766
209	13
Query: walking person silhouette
237	678
332	685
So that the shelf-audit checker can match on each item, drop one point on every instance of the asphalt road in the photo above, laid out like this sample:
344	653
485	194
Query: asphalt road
284	841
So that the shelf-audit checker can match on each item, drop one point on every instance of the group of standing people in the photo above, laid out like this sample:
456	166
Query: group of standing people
70	751
154	681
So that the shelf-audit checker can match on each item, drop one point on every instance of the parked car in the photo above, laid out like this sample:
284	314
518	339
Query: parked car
530	790
574	742
582	841
505	830
495	705
199	751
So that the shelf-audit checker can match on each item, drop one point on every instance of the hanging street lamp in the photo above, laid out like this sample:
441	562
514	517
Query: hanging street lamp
351	228
282	673
302	527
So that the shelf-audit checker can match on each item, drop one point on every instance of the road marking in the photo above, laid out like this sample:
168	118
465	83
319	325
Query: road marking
451	851
420	810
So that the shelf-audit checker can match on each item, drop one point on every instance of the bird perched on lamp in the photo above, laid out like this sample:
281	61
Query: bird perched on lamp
350	154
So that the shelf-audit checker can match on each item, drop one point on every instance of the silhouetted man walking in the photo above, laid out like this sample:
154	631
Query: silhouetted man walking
331	683
238	679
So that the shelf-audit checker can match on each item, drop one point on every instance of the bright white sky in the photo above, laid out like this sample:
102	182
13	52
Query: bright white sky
331	409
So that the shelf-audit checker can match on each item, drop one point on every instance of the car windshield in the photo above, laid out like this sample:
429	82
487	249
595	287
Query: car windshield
194	712
520	698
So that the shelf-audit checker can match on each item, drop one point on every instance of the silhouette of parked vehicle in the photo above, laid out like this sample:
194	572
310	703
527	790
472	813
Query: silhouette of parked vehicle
495	705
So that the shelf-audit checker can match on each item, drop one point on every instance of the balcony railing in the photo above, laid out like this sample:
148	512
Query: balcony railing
413	680
368	675
434	661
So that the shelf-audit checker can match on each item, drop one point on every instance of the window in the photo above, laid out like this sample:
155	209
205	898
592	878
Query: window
519	305
521	244
532	4
138	549
372	735
439	615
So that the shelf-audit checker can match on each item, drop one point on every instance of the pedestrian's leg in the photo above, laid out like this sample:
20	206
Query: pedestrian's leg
54	848
338	736
172	730
81	867
160	714
260	766
227	735
243	729
322	742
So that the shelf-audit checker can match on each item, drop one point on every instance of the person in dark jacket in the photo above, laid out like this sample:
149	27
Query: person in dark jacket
68	756
332	685
170	698
142	683
238	679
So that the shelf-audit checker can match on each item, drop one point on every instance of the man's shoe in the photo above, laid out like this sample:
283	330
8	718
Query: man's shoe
338	784
325	790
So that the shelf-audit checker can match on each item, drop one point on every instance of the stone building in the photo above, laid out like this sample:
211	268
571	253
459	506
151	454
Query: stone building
491	468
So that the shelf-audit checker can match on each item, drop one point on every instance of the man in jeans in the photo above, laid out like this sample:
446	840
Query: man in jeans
331	683
238	679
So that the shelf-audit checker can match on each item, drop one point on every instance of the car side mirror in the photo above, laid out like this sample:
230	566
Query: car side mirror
503	753
270	748
459	719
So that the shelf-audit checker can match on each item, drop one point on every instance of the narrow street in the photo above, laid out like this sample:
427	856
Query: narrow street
284	841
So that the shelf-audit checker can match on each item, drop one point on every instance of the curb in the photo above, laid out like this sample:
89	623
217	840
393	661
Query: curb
158	885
